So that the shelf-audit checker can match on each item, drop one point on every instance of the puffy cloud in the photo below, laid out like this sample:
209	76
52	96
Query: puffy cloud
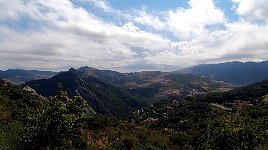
144	18
253	9
70	34
192	22
141	16
66	35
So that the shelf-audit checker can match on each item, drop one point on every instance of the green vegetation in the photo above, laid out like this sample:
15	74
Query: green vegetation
197	125
28	121
32	122
252	93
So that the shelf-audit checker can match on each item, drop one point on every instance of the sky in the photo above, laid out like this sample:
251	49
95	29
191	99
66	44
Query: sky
131	35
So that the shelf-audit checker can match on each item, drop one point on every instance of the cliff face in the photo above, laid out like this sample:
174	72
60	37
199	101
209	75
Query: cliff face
93	101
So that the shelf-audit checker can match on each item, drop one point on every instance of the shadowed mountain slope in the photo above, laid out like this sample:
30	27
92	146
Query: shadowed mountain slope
103	97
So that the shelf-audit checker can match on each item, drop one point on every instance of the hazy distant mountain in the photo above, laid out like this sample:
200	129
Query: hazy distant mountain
233	72
19	76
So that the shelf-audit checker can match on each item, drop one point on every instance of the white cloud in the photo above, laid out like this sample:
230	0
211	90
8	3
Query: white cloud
66	35
72	35
142	17
252	9
102	4
11	10
192	22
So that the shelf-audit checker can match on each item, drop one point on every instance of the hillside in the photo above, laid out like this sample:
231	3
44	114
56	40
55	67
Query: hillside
113	93
103	97
236	119
232	72
157	85
253	93
19	76
29	121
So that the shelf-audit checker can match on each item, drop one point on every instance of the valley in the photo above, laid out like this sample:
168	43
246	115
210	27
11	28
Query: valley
134	75
113	93
150	109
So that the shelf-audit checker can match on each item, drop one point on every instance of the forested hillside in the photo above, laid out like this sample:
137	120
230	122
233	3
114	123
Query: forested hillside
29	121
253	93
236	119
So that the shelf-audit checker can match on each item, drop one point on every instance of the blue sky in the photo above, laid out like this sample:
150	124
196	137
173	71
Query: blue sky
127	35
152	4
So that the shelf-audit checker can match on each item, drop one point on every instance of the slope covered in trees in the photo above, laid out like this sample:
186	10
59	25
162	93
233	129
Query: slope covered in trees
198	125
253	93
29	121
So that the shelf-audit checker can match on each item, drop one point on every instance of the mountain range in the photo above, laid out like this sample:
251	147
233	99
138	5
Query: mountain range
117	94
239	73
87	108
20	76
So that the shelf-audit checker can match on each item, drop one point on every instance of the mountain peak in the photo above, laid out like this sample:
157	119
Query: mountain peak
86	68
72	70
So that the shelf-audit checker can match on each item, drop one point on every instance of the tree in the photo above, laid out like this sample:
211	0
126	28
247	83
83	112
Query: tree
57	124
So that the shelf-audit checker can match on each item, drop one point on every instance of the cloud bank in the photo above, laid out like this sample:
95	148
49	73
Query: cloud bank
58	34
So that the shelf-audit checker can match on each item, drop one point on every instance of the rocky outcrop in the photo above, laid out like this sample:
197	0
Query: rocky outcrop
33	92
93	101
